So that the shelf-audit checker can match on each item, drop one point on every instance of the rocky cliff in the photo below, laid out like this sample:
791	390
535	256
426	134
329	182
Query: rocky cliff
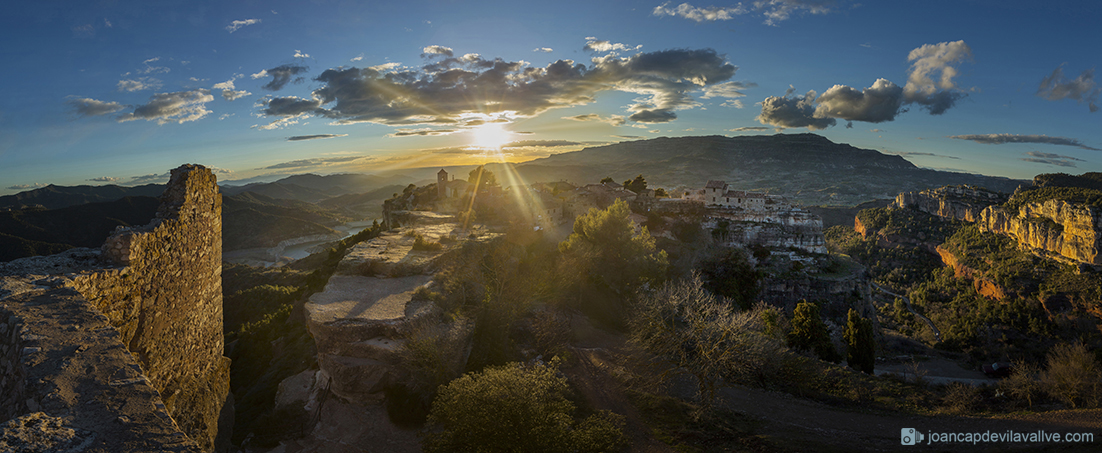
1056	228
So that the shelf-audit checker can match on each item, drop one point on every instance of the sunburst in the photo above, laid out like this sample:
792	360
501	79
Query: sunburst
490	136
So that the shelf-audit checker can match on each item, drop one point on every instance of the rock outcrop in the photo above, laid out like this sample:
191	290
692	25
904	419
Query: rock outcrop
782	229
1056	228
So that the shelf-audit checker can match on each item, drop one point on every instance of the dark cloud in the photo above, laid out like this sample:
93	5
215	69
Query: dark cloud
313	162
629	137
540	143
104	179
1057	161
653	116
92	107
450	90
314	137
795	111
1056	87
281	76
422	132
749	128
181	107
289	106
615	120
1002	139
876	104
909	153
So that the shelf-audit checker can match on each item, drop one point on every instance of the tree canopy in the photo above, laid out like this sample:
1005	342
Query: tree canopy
620	258
637	185
482	177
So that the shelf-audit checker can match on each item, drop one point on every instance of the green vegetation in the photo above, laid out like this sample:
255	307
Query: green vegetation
810	334
636	185
729	273
517	408
480	177
1073	376
1077	195
860	343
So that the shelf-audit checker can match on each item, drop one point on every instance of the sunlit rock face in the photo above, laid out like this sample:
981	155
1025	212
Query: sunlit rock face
1061	229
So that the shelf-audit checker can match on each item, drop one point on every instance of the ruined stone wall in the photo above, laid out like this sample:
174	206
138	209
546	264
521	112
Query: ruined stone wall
160	287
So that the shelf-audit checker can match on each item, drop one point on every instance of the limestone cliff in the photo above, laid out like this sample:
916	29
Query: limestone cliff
1054	227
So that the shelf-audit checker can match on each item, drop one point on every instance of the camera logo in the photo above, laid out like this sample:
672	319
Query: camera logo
910	436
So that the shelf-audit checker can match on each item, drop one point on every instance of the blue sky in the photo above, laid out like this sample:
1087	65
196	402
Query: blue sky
120	91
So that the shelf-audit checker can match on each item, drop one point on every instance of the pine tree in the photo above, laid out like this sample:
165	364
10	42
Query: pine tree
860	343
810	334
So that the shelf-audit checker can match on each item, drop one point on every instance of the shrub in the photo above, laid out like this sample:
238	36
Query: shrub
961	398
1072	375
1022	384
810	334
516	408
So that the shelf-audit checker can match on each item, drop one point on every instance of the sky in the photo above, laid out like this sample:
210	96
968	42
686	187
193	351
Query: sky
119	92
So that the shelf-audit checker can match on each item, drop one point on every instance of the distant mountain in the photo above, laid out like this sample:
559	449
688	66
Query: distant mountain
33	231
54	197
364	205
809	168
251	220
314	188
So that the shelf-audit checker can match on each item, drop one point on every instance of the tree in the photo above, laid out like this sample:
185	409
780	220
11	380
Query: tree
482	177
1022	382
700	333
636	185
617	256
1073	375
607	179
516	408
860	343
660	193
810	334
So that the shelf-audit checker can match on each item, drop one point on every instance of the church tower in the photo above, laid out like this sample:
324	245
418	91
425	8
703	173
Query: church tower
442	184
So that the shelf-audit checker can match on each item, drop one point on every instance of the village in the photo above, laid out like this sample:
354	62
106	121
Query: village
734	218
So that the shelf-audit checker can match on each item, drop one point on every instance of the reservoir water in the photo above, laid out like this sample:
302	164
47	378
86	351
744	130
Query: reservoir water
299	251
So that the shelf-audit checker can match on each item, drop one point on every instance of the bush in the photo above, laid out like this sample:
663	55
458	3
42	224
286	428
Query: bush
961	398
1022	384
1072	375
516	408
810	334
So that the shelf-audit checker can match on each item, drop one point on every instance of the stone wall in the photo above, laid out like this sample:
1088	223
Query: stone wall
160	287
13	375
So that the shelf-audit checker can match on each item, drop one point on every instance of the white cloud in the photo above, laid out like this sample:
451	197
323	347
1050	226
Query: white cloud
263	73
711	13
935	60
358	57
773	10
237	24
179	107
436	50
300	54
229	92
597	45
104	179
142	83
543	49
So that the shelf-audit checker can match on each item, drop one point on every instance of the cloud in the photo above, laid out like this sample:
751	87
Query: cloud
431	51
26	186
1002	139
653	116
882	101
876	104
229	92
278	123
299	54
1051	159
237	24
594	45
105	179
749	128
92	107
314	137
181	107
1056	87
422	132
795	111
448	90
289	106
313	162
149	179
541	143
543	49
773	10
909	153
935	60
726	90
143	83
281	75
358	57
150	69
615	120
629	137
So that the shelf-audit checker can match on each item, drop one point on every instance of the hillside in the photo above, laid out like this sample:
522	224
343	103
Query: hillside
34	231
808	167
54	197
314	188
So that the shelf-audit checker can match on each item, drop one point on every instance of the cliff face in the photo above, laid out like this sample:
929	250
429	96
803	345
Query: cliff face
1066	230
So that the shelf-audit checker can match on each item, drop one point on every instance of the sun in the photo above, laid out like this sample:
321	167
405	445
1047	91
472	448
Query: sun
490	135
